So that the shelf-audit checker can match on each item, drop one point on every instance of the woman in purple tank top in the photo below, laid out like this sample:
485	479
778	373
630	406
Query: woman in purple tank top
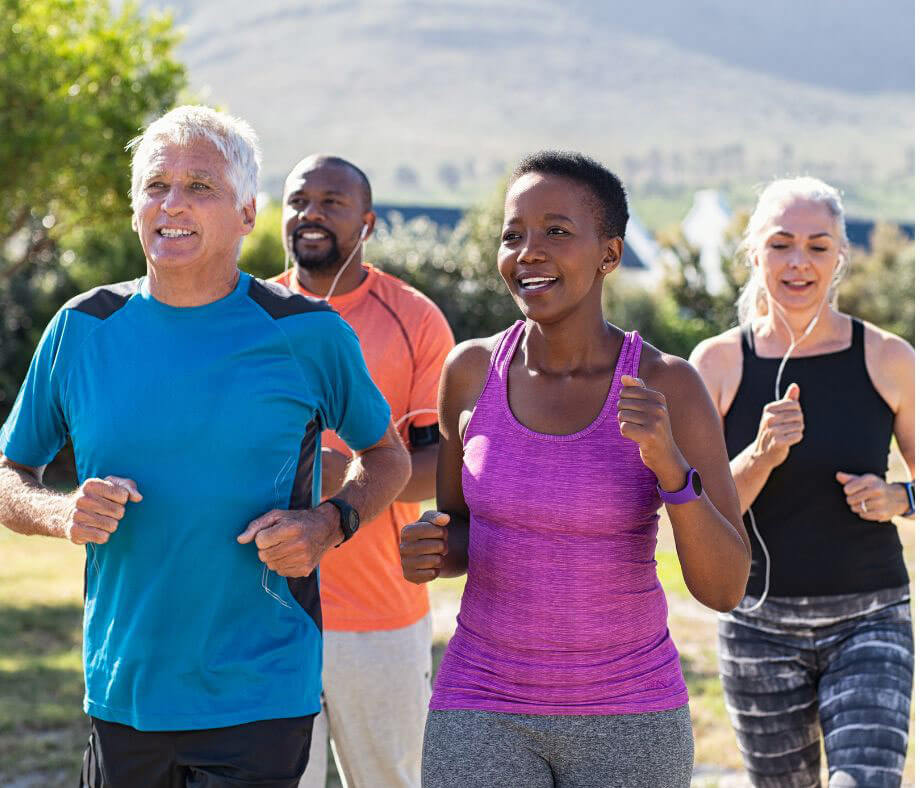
560	437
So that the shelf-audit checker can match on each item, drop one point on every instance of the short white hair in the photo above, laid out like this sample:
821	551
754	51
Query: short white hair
233	137
752	301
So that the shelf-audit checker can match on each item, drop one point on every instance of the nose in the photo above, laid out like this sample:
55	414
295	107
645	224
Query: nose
173	201
532	249
312	212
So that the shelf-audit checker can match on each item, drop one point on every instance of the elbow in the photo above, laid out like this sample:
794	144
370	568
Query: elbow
403	463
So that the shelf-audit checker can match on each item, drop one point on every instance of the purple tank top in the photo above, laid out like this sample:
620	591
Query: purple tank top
563	612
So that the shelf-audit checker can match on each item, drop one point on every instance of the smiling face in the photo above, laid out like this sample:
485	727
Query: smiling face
797	255
187	214
551	253
324	208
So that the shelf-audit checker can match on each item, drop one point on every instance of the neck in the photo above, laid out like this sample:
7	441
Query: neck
566	348
191	288
319	282
772	326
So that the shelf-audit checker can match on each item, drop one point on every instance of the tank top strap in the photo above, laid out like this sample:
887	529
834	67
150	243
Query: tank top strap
504	350
629	356
747	340
858	342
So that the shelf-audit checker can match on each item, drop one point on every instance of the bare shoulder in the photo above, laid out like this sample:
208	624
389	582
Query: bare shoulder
890	365
466	369
671	375
719	362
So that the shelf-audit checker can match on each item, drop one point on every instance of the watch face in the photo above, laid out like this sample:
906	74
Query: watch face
697	483
352	520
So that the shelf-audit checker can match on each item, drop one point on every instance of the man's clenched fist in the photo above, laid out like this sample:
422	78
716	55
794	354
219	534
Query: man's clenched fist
96	508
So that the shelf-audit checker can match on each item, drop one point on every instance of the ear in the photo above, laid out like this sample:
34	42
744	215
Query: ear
134	222
370	219
613	254
248	214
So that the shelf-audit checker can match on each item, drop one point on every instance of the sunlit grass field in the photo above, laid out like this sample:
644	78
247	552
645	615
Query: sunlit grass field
43	730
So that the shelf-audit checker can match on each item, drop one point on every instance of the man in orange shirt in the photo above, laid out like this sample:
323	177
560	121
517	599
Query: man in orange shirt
377	626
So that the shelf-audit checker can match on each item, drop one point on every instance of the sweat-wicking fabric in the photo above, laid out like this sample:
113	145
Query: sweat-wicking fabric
562	612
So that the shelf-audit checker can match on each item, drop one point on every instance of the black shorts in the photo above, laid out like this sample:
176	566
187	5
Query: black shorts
264	754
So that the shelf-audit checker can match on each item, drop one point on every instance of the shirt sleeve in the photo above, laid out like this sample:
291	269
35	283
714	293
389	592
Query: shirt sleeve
432	341
351	404
36	429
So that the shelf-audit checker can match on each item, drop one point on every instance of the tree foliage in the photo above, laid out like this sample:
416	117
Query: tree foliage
78	81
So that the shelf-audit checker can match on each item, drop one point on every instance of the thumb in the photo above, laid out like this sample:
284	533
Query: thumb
267	520
629	380
436	518
843	478
792	392
129	484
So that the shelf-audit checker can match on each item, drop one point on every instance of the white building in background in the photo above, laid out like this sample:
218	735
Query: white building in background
642	255
704	227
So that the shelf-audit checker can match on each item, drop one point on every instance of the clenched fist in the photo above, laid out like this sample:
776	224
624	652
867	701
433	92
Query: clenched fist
781	425
97	507
422	547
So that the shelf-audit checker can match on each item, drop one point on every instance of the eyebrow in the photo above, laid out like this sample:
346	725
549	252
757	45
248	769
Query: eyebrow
810	237
550	216
300	190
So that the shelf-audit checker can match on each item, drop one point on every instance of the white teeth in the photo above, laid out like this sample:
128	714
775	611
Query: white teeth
169	232
313	236
533	282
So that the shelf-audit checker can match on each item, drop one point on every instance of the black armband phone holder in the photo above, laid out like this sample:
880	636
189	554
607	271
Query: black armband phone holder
424	436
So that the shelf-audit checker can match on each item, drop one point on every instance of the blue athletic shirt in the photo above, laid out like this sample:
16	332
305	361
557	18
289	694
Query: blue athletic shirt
216	412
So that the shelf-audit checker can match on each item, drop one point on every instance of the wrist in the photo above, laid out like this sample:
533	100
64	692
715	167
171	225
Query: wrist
906	493
672	475
332	521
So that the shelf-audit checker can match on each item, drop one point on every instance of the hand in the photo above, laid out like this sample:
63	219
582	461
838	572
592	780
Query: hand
291	542
643	416
334	466
97	507
781	425
422	547
873	498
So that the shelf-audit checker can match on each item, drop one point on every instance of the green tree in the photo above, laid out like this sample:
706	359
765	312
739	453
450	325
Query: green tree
880	284
78	81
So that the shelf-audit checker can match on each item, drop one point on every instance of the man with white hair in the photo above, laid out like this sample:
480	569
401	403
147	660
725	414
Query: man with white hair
195	398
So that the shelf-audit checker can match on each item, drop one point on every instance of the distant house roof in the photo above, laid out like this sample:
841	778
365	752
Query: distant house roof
639	253
859	231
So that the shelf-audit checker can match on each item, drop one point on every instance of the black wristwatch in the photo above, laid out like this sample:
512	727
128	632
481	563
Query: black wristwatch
348	518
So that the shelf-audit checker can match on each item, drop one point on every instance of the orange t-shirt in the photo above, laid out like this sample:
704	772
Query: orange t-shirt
405	339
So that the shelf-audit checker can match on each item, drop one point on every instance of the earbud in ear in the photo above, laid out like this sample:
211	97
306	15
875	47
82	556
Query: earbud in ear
363	232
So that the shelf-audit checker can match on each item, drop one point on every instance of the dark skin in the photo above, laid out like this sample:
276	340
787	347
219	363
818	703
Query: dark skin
330	200
558	381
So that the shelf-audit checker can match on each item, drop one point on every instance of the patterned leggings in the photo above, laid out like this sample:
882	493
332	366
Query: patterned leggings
802	665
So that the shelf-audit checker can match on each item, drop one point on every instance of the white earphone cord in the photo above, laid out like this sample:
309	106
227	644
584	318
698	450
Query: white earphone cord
293	287
750	511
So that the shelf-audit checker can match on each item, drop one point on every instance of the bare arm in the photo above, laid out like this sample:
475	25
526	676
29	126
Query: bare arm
89	514
421	484
676	426
436	545
291	542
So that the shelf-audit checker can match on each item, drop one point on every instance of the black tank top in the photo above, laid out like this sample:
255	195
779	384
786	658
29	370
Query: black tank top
817	545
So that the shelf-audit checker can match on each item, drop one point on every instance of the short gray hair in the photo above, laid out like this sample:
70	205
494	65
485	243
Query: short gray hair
232	136
752	299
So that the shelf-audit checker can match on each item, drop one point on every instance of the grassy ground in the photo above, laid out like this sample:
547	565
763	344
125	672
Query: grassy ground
43	730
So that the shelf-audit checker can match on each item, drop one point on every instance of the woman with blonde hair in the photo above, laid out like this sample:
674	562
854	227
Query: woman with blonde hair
809	399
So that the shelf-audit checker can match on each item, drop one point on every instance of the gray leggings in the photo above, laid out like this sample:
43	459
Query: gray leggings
800	667
481	749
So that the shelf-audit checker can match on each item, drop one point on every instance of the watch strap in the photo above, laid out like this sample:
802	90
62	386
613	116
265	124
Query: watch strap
691	491
348	518
910	489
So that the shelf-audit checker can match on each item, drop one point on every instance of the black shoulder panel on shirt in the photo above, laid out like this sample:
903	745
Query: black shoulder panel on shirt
280	302
104	301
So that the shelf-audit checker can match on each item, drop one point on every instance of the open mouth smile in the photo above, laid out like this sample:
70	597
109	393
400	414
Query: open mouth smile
535	284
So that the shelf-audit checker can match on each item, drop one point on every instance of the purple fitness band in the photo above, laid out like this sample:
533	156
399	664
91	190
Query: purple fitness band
692	490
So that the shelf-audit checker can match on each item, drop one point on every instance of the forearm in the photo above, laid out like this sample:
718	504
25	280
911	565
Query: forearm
421	484
714	555
28	507
750	471
374	479
458	542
